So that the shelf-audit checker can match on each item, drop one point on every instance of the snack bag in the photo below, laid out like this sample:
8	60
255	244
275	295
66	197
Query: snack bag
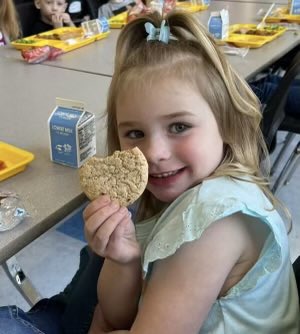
12	211
54	53
38	55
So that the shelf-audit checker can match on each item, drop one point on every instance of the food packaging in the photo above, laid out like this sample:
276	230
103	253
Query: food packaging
12	211
40	54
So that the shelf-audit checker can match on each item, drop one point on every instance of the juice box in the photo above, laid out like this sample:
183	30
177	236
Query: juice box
72	132
218	24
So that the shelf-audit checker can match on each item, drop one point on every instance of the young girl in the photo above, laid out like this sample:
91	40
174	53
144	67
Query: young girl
209	252
9	24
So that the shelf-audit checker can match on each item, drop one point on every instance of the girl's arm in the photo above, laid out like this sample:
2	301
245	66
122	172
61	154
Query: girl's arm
184	286
111	234
119	290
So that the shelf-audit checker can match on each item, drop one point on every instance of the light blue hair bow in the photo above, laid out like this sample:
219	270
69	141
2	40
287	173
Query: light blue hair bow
161	34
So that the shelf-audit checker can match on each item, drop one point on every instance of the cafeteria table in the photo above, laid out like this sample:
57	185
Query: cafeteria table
48	191
98	57
27	98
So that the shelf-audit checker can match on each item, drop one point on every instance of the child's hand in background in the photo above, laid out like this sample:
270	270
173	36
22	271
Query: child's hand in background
110	231
59	20
67	19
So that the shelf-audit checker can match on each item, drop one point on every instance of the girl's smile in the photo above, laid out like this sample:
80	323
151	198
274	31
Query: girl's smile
174	127
166	178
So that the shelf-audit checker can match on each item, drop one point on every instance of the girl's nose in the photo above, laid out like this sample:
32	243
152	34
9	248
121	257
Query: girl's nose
157	149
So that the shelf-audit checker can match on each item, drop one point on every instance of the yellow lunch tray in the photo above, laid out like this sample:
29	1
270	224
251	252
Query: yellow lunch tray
251	41
190	7
283	18
14	158
118	21
66	45
282	15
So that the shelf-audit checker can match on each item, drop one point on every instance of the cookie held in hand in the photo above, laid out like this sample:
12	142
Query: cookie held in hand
123	176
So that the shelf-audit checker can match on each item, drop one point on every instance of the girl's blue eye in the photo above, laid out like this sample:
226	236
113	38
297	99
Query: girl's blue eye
135	134
178	127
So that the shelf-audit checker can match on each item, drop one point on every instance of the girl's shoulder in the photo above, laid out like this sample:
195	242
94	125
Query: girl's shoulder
194	211
220	197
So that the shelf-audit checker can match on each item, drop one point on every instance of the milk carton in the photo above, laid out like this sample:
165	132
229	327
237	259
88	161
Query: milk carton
295	7
218	24
72	132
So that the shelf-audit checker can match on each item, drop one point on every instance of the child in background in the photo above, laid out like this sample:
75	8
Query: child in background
9	24
209	252
52	15
114	7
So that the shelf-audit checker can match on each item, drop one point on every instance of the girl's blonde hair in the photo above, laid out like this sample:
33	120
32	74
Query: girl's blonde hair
9	23
193	57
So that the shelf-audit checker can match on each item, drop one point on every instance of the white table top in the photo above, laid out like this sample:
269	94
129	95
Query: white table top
99	57
48	191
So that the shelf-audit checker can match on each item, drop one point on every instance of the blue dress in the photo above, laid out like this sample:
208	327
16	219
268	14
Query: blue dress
265	300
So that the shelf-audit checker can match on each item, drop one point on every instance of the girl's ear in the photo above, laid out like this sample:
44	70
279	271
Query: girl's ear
37	4
65	6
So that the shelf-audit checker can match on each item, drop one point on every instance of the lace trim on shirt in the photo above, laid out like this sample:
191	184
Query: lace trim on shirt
177	230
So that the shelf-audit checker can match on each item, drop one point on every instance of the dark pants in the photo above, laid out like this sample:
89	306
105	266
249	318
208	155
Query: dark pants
264	88
69	312
45	317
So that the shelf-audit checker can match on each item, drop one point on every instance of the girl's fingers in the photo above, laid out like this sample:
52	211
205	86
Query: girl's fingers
103	234
99	217
111	224
95	205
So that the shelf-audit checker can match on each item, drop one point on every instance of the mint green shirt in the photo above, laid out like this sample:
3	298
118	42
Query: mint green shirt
265	301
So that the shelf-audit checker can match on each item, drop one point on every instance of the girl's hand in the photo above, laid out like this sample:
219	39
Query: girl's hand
110	231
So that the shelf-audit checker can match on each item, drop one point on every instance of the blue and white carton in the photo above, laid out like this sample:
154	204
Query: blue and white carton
295	7
95	27
72	132
218	24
